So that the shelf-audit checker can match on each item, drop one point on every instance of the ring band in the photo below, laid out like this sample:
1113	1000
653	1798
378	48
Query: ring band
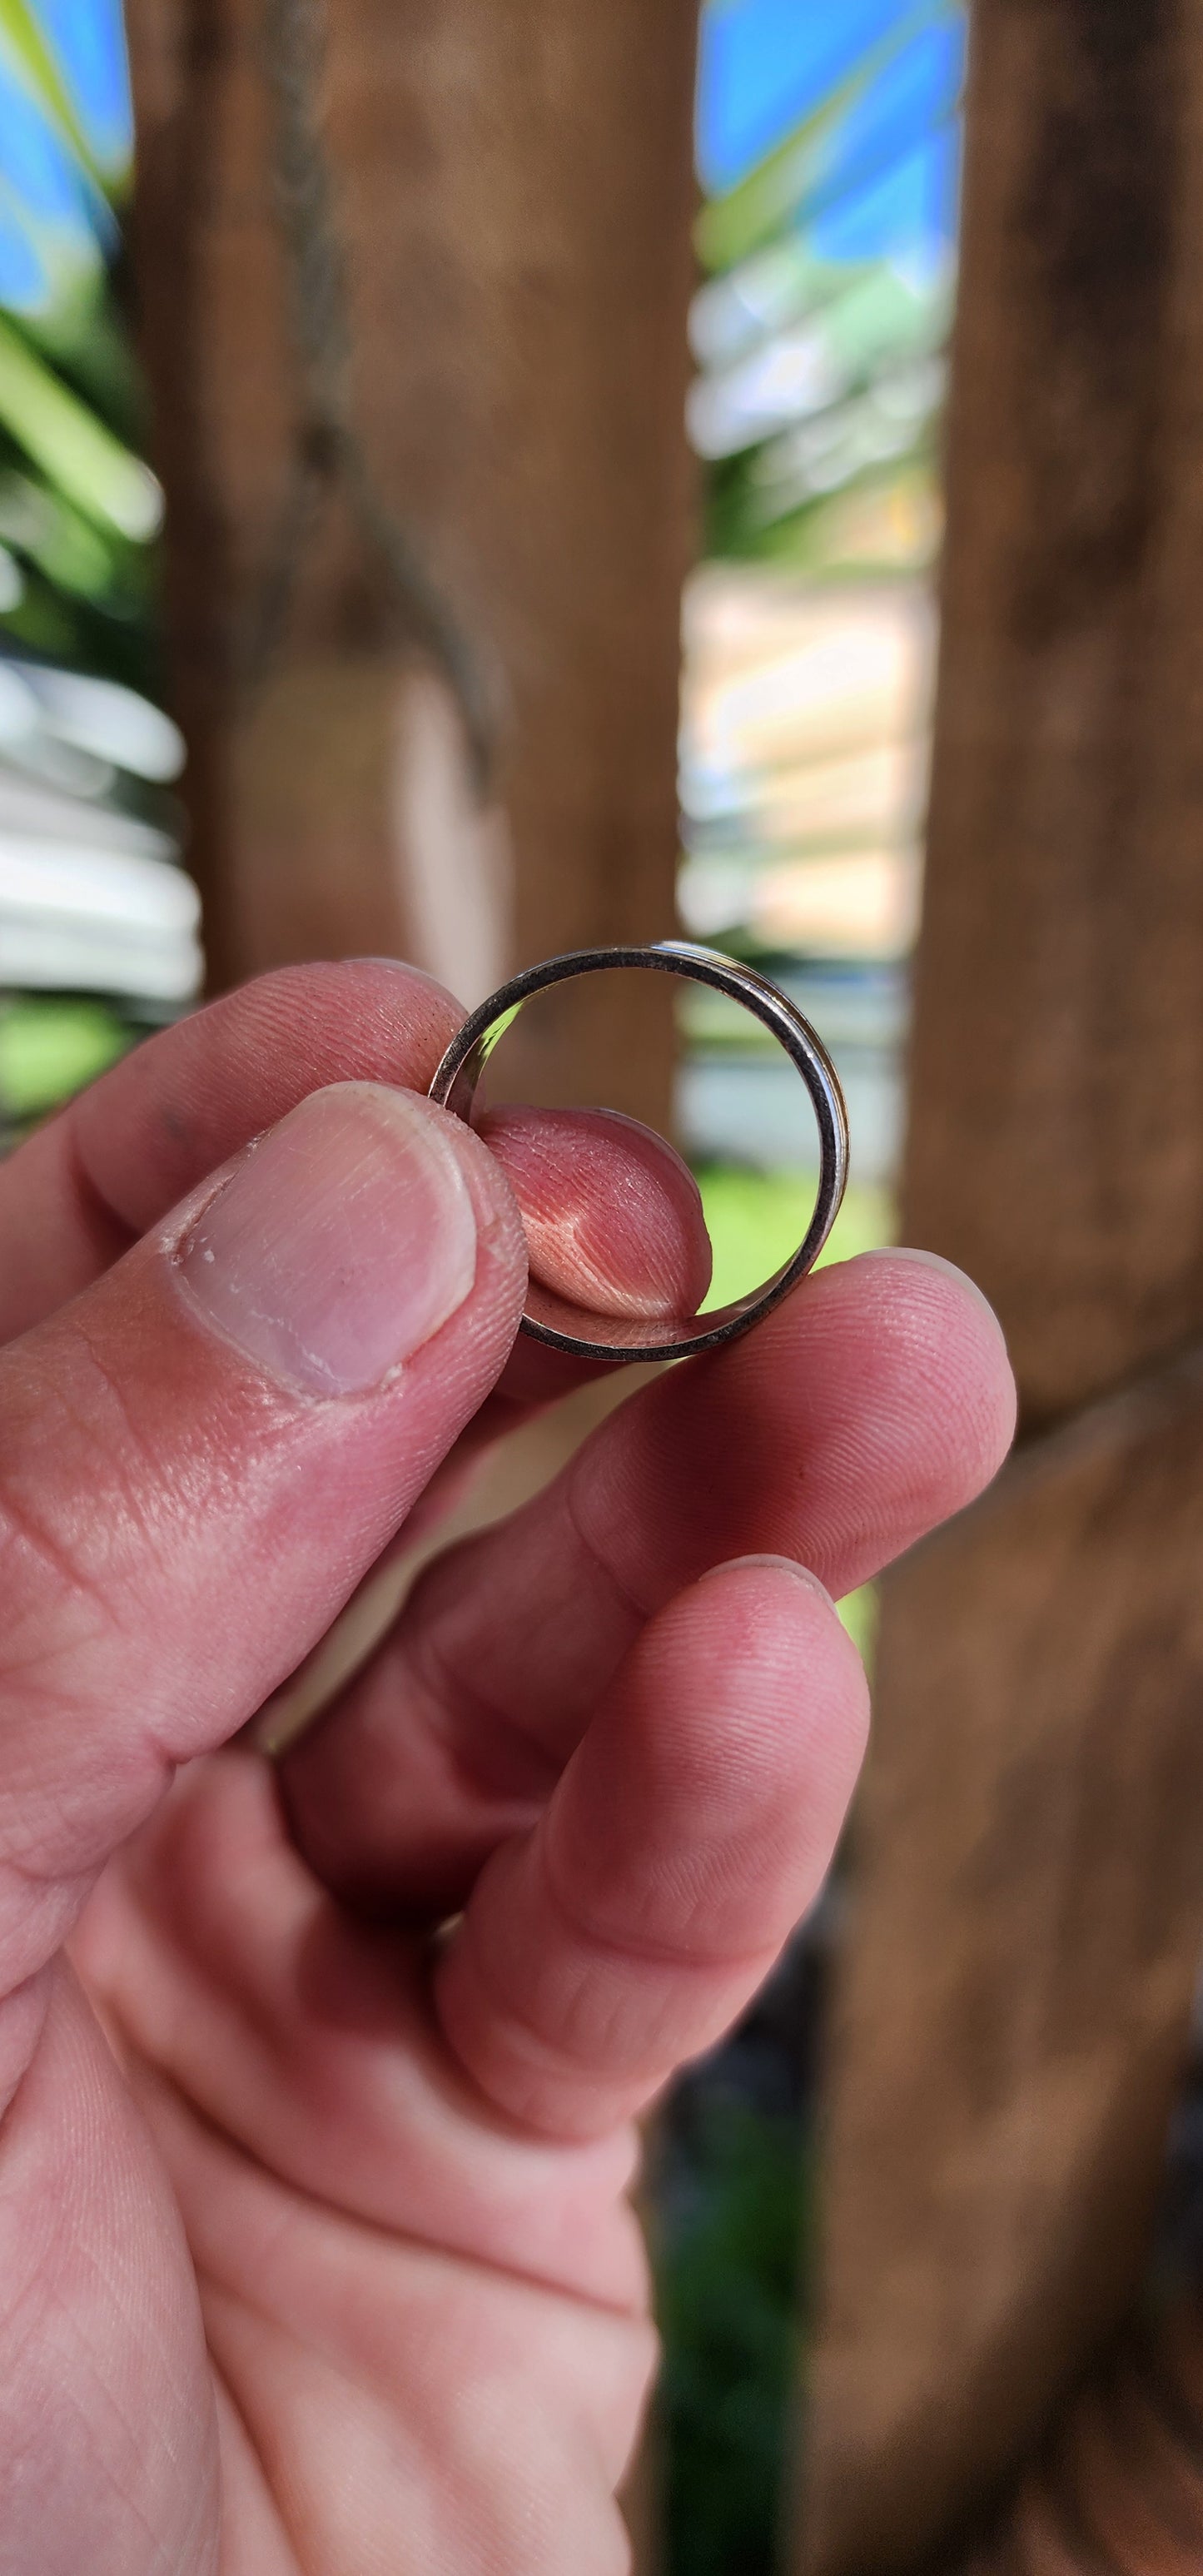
555	1320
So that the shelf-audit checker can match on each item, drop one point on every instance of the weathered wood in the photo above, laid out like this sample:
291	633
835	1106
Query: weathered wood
513	184
1029	1903
355	829
1026	1910
1121	2486
1056	1144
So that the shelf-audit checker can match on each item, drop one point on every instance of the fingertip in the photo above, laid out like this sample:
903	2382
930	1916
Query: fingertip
769	1614
768	1628
692	1828
613	1218
940	1272
931	1320
797	1680
741	1712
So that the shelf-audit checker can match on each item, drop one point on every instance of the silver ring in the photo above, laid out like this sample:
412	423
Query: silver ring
556	1320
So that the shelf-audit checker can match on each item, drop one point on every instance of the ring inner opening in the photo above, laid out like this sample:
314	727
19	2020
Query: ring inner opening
695	1206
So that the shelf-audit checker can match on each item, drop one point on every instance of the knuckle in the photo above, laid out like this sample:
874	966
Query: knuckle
72	1462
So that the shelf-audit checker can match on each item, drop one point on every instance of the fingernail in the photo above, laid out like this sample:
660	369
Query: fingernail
341	1244
779	1565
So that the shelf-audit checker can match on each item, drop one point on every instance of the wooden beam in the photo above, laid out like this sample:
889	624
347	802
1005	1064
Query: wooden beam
512	184
1026	1906
1029	1918
1056	1140
1121	2487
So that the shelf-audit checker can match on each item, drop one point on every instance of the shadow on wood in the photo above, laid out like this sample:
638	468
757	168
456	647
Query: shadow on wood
1028	1903
1028	1923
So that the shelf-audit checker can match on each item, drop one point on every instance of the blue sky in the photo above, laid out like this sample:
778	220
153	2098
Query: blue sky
90	43
890	185
889	189
46	210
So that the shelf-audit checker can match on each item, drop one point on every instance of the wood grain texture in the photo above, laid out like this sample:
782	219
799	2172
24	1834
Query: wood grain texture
1056	1135
513	182
1028	1912
514	185
1119	2488
1027	1900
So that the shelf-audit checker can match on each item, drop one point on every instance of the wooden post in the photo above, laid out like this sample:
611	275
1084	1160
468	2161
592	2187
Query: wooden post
512	184
1027	1905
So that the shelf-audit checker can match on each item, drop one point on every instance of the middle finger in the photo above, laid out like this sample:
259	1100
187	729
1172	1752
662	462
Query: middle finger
870	1406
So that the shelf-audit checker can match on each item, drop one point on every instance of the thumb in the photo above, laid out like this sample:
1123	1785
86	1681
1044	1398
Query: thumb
201	1456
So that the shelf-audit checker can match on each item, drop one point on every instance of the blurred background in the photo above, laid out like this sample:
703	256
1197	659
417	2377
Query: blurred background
827	159
827	153
98	920
475	488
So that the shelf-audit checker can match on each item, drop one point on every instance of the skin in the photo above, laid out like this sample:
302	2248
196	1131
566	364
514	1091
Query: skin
315	2244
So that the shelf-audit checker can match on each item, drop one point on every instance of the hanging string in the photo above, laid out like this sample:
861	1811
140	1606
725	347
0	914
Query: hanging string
326	452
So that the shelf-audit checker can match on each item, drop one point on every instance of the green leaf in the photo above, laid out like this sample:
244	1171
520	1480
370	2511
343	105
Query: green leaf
73	448
755	1219
51	1048
70	549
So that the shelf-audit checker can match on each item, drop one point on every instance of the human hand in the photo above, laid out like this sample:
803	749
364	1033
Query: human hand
314	2242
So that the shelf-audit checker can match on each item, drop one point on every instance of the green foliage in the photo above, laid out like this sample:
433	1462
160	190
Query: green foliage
50	1047
858	1611
756	1219
76	455
79	508
860	339
730	2269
